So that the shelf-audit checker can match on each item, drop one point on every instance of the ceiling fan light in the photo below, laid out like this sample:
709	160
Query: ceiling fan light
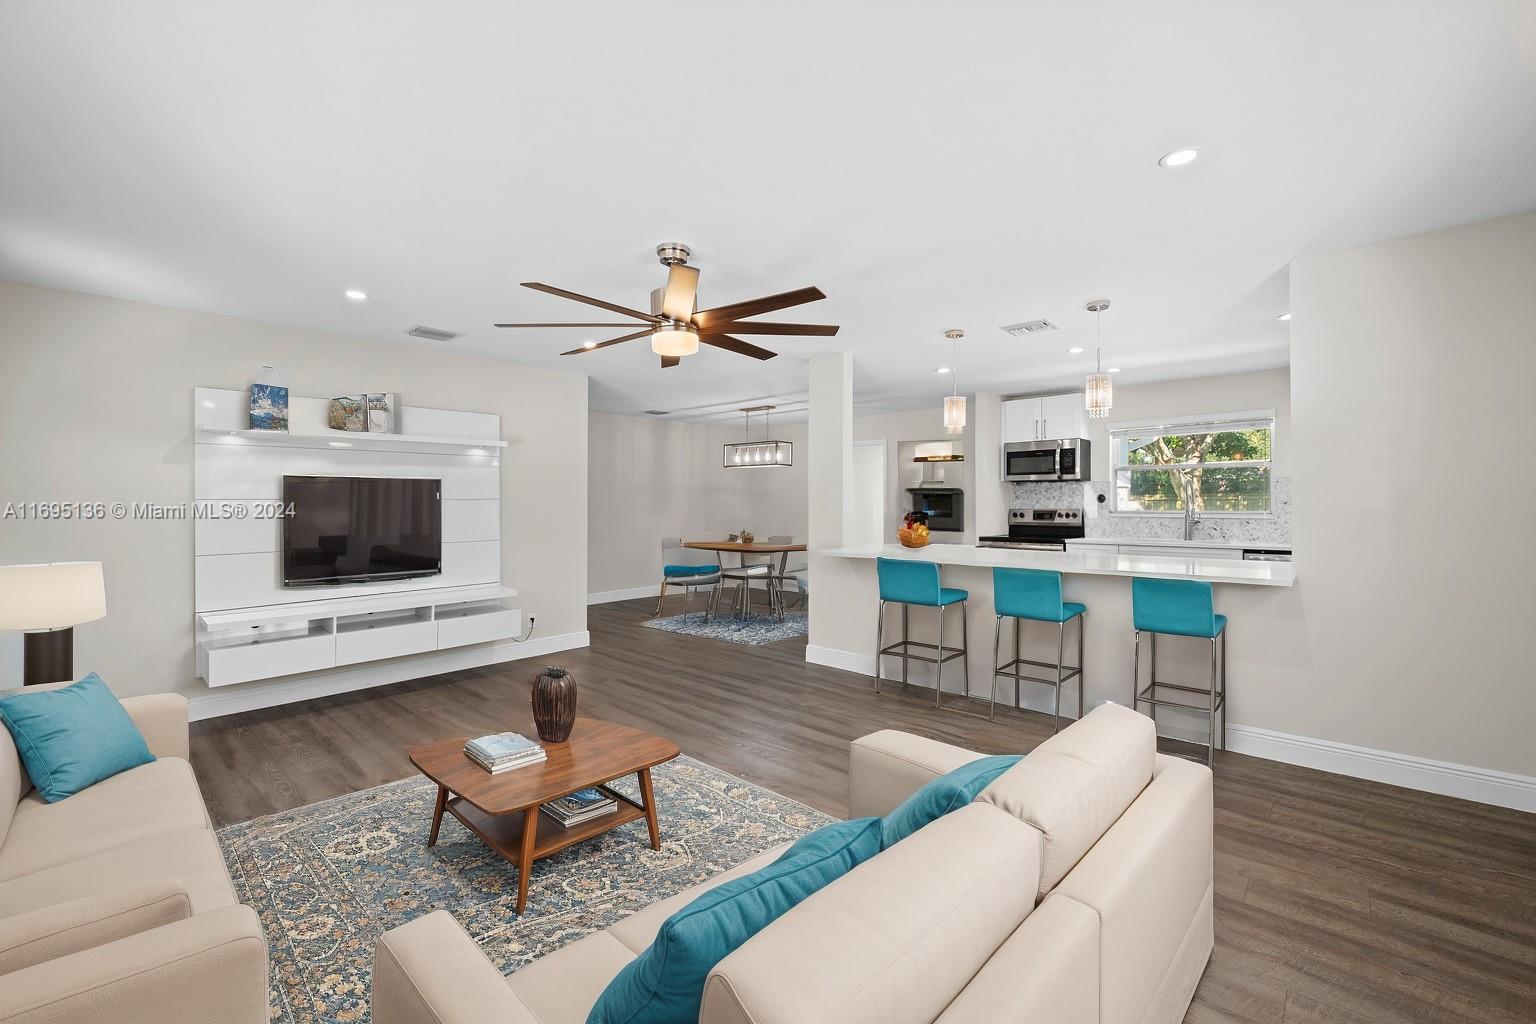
675	339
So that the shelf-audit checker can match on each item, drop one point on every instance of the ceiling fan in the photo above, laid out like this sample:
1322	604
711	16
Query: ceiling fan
674	324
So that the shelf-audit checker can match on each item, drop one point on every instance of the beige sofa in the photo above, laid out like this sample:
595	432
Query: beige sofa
115	904
1075	889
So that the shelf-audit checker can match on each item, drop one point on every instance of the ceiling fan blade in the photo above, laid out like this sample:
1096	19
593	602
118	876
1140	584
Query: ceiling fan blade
821	330
604	344
756	307
730	344
667	361
570	325
589	300
681	293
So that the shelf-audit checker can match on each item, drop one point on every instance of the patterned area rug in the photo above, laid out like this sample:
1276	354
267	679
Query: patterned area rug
328	879
757	629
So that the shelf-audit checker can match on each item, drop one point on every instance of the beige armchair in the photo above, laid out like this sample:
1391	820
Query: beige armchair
115	904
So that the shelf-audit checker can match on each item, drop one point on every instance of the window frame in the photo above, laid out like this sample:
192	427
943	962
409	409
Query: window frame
1247	419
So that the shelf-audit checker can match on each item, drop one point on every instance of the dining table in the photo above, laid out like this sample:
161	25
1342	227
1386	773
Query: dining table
740	547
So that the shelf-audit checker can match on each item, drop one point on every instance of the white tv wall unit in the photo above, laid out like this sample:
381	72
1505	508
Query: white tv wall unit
249	627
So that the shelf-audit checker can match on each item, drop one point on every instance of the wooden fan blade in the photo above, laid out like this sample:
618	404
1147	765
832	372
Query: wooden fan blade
667	361
821	330
681	293
756	307
611	341
730	344
569	325
589	300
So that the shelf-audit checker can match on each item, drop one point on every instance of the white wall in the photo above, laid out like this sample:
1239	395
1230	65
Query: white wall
650	478
96	407
1411	370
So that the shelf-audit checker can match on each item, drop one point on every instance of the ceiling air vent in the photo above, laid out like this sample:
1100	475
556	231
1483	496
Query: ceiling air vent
434	333
1029	327
655	412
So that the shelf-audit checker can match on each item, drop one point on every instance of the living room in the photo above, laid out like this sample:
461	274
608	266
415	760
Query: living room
498	526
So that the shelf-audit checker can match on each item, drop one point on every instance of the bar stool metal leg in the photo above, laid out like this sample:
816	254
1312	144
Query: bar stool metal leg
1082	670
938	682
997	638
1210	742
1018	652
1136	674
1224	689
1061	636
879	643
965	645
905	662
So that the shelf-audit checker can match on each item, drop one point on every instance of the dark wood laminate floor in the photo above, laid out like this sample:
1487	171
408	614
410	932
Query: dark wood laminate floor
1337	901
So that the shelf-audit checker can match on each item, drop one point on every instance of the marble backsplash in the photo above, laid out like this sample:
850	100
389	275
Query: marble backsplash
1274	528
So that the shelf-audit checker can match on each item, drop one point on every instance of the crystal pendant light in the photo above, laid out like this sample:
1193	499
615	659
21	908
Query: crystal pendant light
954	405
1099	389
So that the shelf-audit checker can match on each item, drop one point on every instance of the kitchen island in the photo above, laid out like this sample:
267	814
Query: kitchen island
1087	562
1260	599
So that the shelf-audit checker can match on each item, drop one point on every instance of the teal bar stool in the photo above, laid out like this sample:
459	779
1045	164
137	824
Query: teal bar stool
1035	594
1181	608
907	583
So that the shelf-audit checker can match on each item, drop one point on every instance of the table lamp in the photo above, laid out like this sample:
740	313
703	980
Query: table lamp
48	601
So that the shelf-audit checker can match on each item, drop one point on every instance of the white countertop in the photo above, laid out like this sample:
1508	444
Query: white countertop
1174	542
1088	562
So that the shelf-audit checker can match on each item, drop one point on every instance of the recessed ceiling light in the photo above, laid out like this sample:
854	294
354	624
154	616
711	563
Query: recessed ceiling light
1075	350
356	296
1284	317
941	369
1113	369
1178	158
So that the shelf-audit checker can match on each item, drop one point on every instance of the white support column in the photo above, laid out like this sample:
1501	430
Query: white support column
843	604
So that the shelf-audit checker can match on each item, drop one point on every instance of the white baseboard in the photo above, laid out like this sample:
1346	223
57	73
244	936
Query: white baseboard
1483	785
609	596
232	700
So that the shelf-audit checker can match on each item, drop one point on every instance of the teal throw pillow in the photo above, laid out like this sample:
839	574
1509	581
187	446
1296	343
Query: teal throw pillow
949	792
72	737
665	984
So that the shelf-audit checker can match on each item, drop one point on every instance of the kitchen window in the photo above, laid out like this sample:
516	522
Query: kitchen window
1222	465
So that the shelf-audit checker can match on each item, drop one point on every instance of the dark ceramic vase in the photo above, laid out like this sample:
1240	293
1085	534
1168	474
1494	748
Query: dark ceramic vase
554	704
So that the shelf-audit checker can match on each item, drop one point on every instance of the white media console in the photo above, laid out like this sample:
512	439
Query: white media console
249	627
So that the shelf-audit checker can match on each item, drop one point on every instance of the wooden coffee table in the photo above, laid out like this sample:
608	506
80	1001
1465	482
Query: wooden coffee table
503	810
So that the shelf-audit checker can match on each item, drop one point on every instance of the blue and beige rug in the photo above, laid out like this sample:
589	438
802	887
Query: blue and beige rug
328	879
757	629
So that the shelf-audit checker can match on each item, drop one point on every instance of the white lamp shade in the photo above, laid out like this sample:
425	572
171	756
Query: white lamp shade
675	341
52	595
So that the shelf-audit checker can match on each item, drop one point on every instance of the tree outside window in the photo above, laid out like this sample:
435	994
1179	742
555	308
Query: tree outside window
1226	466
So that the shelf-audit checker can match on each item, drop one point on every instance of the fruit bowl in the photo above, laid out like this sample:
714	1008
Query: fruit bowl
913	536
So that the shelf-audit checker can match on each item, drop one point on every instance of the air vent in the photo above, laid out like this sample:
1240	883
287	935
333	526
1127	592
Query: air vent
434	333
655	412
1029	327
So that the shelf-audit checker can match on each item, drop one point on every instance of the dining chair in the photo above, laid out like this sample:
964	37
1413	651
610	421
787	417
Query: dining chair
760	569
691	570
787	574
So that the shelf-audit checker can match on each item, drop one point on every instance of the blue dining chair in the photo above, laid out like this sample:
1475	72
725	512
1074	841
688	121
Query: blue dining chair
1035	595
1180	608
691	570
909	582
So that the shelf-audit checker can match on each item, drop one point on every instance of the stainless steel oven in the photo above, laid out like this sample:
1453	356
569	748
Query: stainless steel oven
943	507
1068	459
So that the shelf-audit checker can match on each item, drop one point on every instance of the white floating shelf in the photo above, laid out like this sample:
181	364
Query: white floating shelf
343	439
356	604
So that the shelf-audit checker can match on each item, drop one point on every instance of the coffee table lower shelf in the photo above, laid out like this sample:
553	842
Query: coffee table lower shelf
504	832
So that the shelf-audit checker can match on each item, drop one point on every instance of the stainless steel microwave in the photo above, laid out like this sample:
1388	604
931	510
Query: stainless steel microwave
1068	459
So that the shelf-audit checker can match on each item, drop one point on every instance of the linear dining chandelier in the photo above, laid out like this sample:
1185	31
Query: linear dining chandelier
767	452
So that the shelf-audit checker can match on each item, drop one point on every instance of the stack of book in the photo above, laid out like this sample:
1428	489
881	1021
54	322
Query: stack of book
582	805
503	752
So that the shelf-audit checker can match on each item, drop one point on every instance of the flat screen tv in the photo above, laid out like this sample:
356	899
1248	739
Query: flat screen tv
357	529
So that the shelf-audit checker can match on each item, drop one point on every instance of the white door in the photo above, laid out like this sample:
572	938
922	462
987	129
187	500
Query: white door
1063	416
867	524
1021	420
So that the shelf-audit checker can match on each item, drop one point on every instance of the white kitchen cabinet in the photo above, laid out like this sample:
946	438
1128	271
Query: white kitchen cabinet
1063	416
1050	418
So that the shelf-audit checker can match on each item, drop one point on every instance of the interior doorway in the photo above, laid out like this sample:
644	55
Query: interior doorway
868	521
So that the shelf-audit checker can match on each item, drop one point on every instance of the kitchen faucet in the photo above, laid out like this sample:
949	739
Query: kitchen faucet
1190	519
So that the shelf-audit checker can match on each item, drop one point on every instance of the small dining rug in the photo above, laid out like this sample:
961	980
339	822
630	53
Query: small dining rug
757	629
329	878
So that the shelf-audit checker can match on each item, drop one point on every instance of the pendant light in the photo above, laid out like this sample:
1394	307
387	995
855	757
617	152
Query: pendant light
1099	389
954	405
749	453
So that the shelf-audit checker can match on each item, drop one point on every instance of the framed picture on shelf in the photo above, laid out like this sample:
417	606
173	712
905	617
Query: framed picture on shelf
349	412
269	407
381	412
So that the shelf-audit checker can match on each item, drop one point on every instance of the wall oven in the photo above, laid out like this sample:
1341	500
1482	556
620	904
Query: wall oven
1068	459
943	507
